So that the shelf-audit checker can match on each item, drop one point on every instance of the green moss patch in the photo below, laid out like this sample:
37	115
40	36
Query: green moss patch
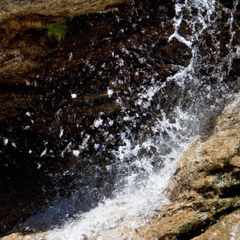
57	29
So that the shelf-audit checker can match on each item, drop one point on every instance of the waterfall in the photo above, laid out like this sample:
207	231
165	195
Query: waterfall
157	126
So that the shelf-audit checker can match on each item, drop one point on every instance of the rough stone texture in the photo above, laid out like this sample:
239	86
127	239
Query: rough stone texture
17	16
22	34
205	185
227	228
17	47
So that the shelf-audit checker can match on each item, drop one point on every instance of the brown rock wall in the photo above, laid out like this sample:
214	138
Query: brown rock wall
17	16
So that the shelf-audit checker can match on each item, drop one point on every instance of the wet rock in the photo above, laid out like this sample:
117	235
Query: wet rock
59	98
210	178
228	4
25	28
226	228
206	203
57	88
17	16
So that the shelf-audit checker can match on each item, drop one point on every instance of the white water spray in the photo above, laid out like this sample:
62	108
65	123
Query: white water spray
139	191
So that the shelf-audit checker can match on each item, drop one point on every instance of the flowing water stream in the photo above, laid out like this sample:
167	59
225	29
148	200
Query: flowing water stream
157	125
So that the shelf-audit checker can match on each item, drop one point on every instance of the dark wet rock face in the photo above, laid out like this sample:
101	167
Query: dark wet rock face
50	107
228	4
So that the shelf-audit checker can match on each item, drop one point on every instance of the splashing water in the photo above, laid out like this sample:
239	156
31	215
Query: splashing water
146	159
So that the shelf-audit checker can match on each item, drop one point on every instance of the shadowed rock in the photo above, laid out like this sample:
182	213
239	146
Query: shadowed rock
54	88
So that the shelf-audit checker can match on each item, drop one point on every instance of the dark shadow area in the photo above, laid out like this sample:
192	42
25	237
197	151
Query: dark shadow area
42	124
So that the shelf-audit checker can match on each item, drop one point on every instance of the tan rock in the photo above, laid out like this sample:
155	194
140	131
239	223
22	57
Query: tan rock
17	236
227	228
202	176
235	161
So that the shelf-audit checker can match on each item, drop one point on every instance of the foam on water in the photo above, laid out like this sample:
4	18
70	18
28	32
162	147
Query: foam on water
131	207
139	190
142	195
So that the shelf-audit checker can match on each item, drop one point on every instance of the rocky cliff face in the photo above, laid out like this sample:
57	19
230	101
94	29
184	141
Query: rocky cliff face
55	71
